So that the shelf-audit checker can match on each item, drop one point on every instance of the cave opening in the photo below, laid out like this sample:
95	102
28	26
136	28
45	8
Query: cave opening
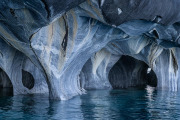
129	72
6	87
27	80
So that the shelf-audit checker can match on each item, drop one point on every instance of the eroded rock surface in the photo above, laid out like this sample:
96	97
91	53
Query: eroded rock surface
65	47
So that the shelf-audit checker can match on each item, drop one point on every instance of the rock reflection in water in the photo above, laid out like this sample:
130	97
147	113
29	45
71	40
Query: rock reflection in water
97	104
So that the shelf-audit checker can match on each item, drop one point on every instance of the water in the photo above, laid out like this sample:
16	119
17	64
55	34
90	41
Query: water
127	104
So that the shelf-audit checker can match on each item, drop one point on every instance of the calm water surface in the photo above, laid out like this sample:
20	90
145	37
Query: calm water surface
128	104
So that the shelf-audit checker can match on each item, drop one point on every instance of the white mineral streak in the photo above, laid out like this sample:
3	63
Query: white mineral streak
173	83
98	58
138	45
119	11
149	70
102	2
75	49
154	53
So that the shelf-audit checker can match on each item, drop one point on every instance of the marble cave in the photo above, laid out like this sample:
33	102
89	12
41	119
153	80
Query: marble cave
64	48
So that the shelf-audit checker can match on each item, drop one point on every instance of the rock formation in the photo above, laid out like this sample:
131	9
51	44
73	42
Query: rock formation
63	47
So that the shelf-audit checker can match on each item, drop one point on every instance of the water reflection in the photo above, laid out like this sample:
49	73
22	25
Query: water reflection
163	104
6	92
103	104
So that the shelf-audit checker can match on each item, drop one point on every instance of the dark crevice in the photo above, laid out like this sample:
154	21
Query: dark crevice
157	19
65	40
155	33
12	11
47	9
1	54
33	34
175	63
27	80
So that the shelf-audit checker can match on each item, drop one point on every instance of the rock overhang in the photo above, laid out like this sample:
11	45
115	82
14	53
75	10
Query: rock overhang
59	37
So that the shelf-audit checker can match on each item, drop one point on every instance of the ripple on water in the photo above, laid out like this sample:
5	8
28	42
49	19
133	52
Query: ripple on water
96	104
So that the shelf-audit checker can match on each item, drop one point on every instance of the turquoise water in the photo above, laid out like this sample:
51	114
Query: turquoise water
127	104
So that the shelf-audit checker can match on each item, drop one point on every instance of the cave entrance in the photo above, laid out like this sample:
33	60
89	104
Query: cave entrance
129	72
6	87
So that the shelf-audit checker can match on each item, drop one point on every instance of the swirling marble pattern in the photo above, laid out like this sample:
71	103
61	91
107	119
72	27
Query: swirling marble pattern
73	45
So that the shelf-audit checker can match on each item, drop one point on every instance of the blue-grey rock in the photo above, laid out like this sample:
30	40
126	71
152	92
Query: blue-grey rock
66	47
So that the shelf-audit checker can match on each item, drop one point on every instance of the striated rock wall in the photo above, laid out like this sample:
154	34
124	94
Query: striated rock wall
65	47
